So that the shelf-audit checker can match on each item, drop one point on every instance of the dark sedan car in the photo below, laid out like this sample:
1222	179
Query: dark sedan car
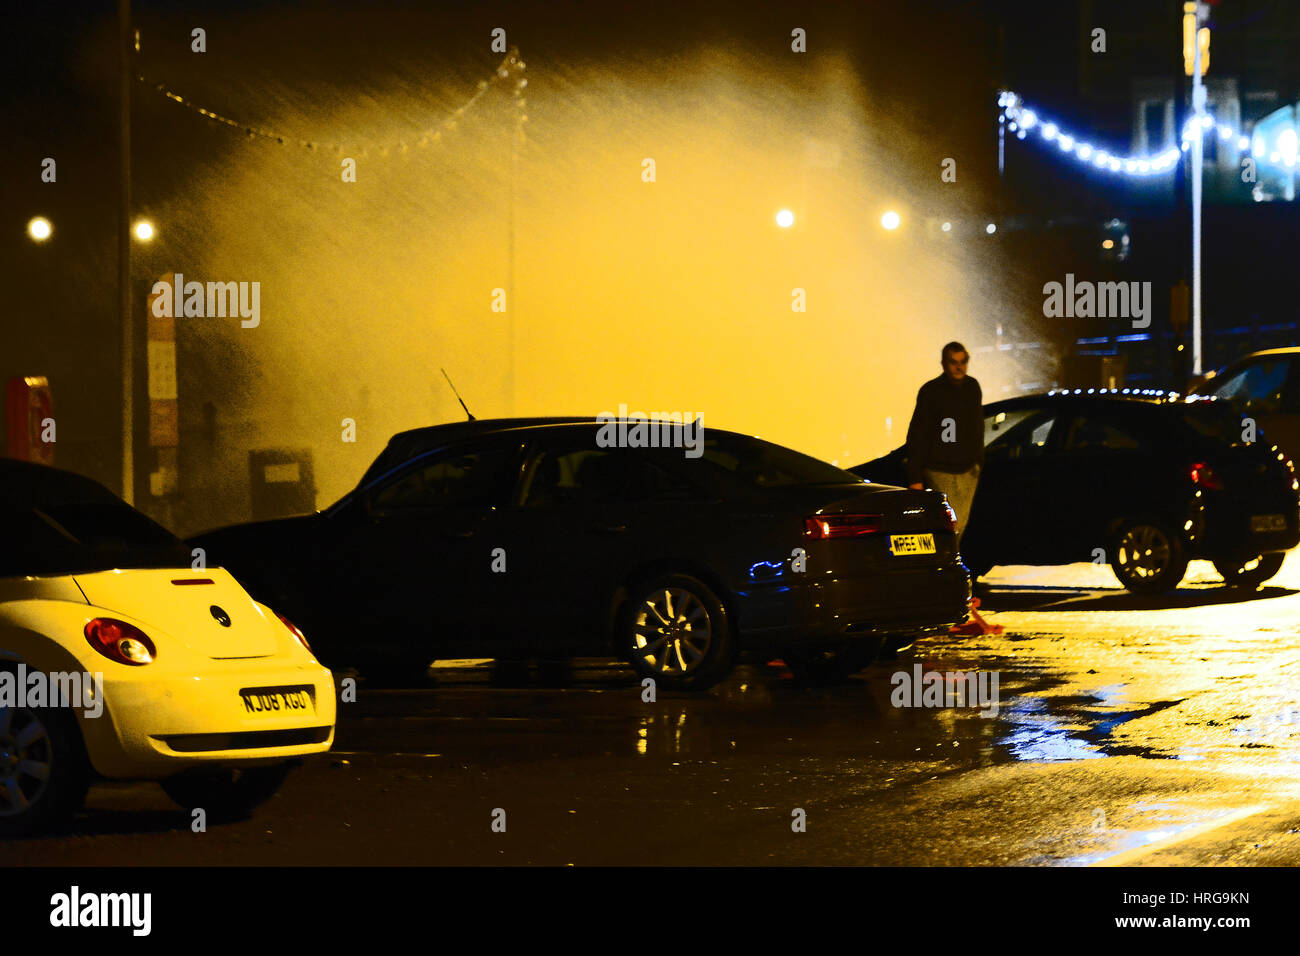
1143	480
498	539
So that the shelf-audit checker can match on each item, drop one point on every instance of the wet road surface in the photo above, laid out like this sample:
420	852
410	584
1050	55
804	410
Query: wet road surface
1128	730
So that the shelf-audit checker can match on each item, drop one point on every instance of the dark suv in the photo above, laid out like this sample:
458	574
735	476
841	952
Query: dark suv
1145	481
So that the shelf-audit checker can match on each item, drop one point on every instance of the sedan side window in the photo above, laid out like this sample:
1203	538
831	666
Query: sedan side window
466	479
587	475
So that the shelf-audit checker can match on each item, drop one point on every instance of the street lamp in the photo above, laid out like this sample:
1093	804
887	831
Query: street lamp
891	220
39	228
143	230
785	219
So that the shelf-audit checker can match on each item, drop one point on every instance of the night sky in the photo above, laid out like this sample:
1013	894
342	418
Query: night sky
898	86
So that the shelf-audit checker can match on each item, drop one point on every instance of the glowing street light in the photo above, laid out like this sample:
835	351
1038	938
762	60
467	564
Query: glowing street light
143	230
991	228
785	219
890	220
39	228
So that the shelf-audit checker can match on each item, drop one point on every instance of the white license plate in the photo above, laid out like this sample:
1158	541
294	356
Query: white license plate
911	543
1268	522
272	701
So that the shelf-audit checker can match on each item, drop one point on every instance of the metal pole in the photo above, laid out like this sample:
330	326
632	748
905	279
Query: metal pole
124	41
510	266
1198	141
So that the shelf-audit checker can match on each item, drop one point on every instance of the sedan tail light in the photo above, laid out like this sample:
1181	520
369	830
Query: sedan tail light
1205	476
950	517
121	642
293	628
821	527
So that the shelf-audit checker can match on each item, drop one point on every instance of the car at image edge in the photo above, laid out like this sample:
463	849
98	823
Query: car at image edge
1141	479
203	689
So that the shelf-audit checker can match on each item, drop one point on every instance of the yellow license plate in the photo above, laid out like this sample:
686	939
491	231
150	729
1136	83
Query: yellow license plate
911	543
279	701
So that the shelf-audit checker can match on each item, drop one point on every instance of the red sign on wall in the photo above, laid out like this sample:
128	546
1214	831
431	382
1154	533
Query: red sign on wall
29	419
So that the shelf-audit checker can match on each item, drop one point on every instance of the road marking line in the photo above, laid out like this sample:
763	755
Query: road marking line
1128	856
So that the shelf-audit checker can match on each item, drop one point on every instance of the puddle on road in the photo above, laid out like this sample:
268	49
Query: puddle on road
757	712
1044	716
1047	730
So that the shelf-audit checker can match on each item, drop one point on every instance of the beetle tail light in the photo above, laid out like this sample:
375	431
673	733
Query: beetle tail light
293	629
121	642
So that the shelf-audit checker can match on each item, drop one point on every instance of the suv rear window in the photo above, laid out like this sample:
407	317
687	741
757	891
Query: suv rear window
1216	421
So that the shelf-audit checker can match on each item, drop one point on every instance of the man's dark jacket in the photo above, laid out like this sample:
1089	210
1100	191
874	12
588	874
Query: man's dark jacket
939	399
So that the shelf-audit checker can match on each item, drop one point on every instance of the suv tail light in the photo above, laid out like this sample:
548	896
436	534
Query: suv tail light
822	527
293	628
1205	476
121	642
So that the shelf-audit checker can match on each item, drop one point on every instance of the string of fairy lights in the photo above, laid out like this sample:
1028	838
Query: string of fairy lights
511	66
1020	119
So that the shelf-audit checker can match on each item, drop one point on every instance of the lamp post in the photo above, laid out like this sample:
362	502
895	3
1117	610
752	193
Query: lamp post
124	43
1201	12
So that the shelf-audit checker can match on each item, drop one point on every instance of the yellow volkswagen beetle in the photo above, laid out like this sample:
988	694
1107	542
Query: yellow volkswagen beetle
123	657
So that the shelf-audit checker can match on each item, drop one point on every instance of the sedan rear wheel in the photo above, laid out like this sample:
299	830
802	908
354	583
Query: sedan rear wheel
1148	558
1250	574
675	630
44	774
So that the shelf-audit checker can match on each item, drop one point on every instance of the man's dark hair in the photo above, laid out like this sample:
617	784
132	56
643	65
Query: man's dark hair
951	349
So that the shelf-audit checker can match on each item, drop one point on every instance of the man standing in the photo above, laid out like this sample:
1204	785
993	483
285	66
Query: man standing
945	441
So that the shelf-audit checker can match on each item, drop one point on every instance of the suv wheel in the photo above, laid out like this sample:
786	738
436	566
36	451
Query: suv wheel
1148	558
674	629
1249	574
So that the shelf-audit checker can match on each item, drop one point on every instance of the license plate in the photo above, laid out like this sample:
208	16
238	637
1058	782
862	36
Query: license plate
911	543
1268	522
279	700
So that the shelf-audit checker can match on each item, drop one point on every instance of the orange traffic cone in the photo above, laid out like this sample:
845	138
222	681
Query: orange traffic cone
976	624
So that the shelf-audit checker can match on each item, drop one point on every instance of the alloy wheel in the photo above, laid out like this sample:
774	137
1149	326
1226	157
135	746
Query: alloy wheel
672	631
26	760
1144	552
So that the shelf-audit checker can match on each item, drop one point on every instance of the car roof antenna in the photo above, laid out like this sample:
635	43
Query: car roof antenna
456	393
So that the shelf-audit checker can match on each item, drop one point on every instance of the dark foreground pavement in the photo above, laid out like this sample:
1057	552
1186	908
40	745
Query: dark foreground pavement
1152	731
